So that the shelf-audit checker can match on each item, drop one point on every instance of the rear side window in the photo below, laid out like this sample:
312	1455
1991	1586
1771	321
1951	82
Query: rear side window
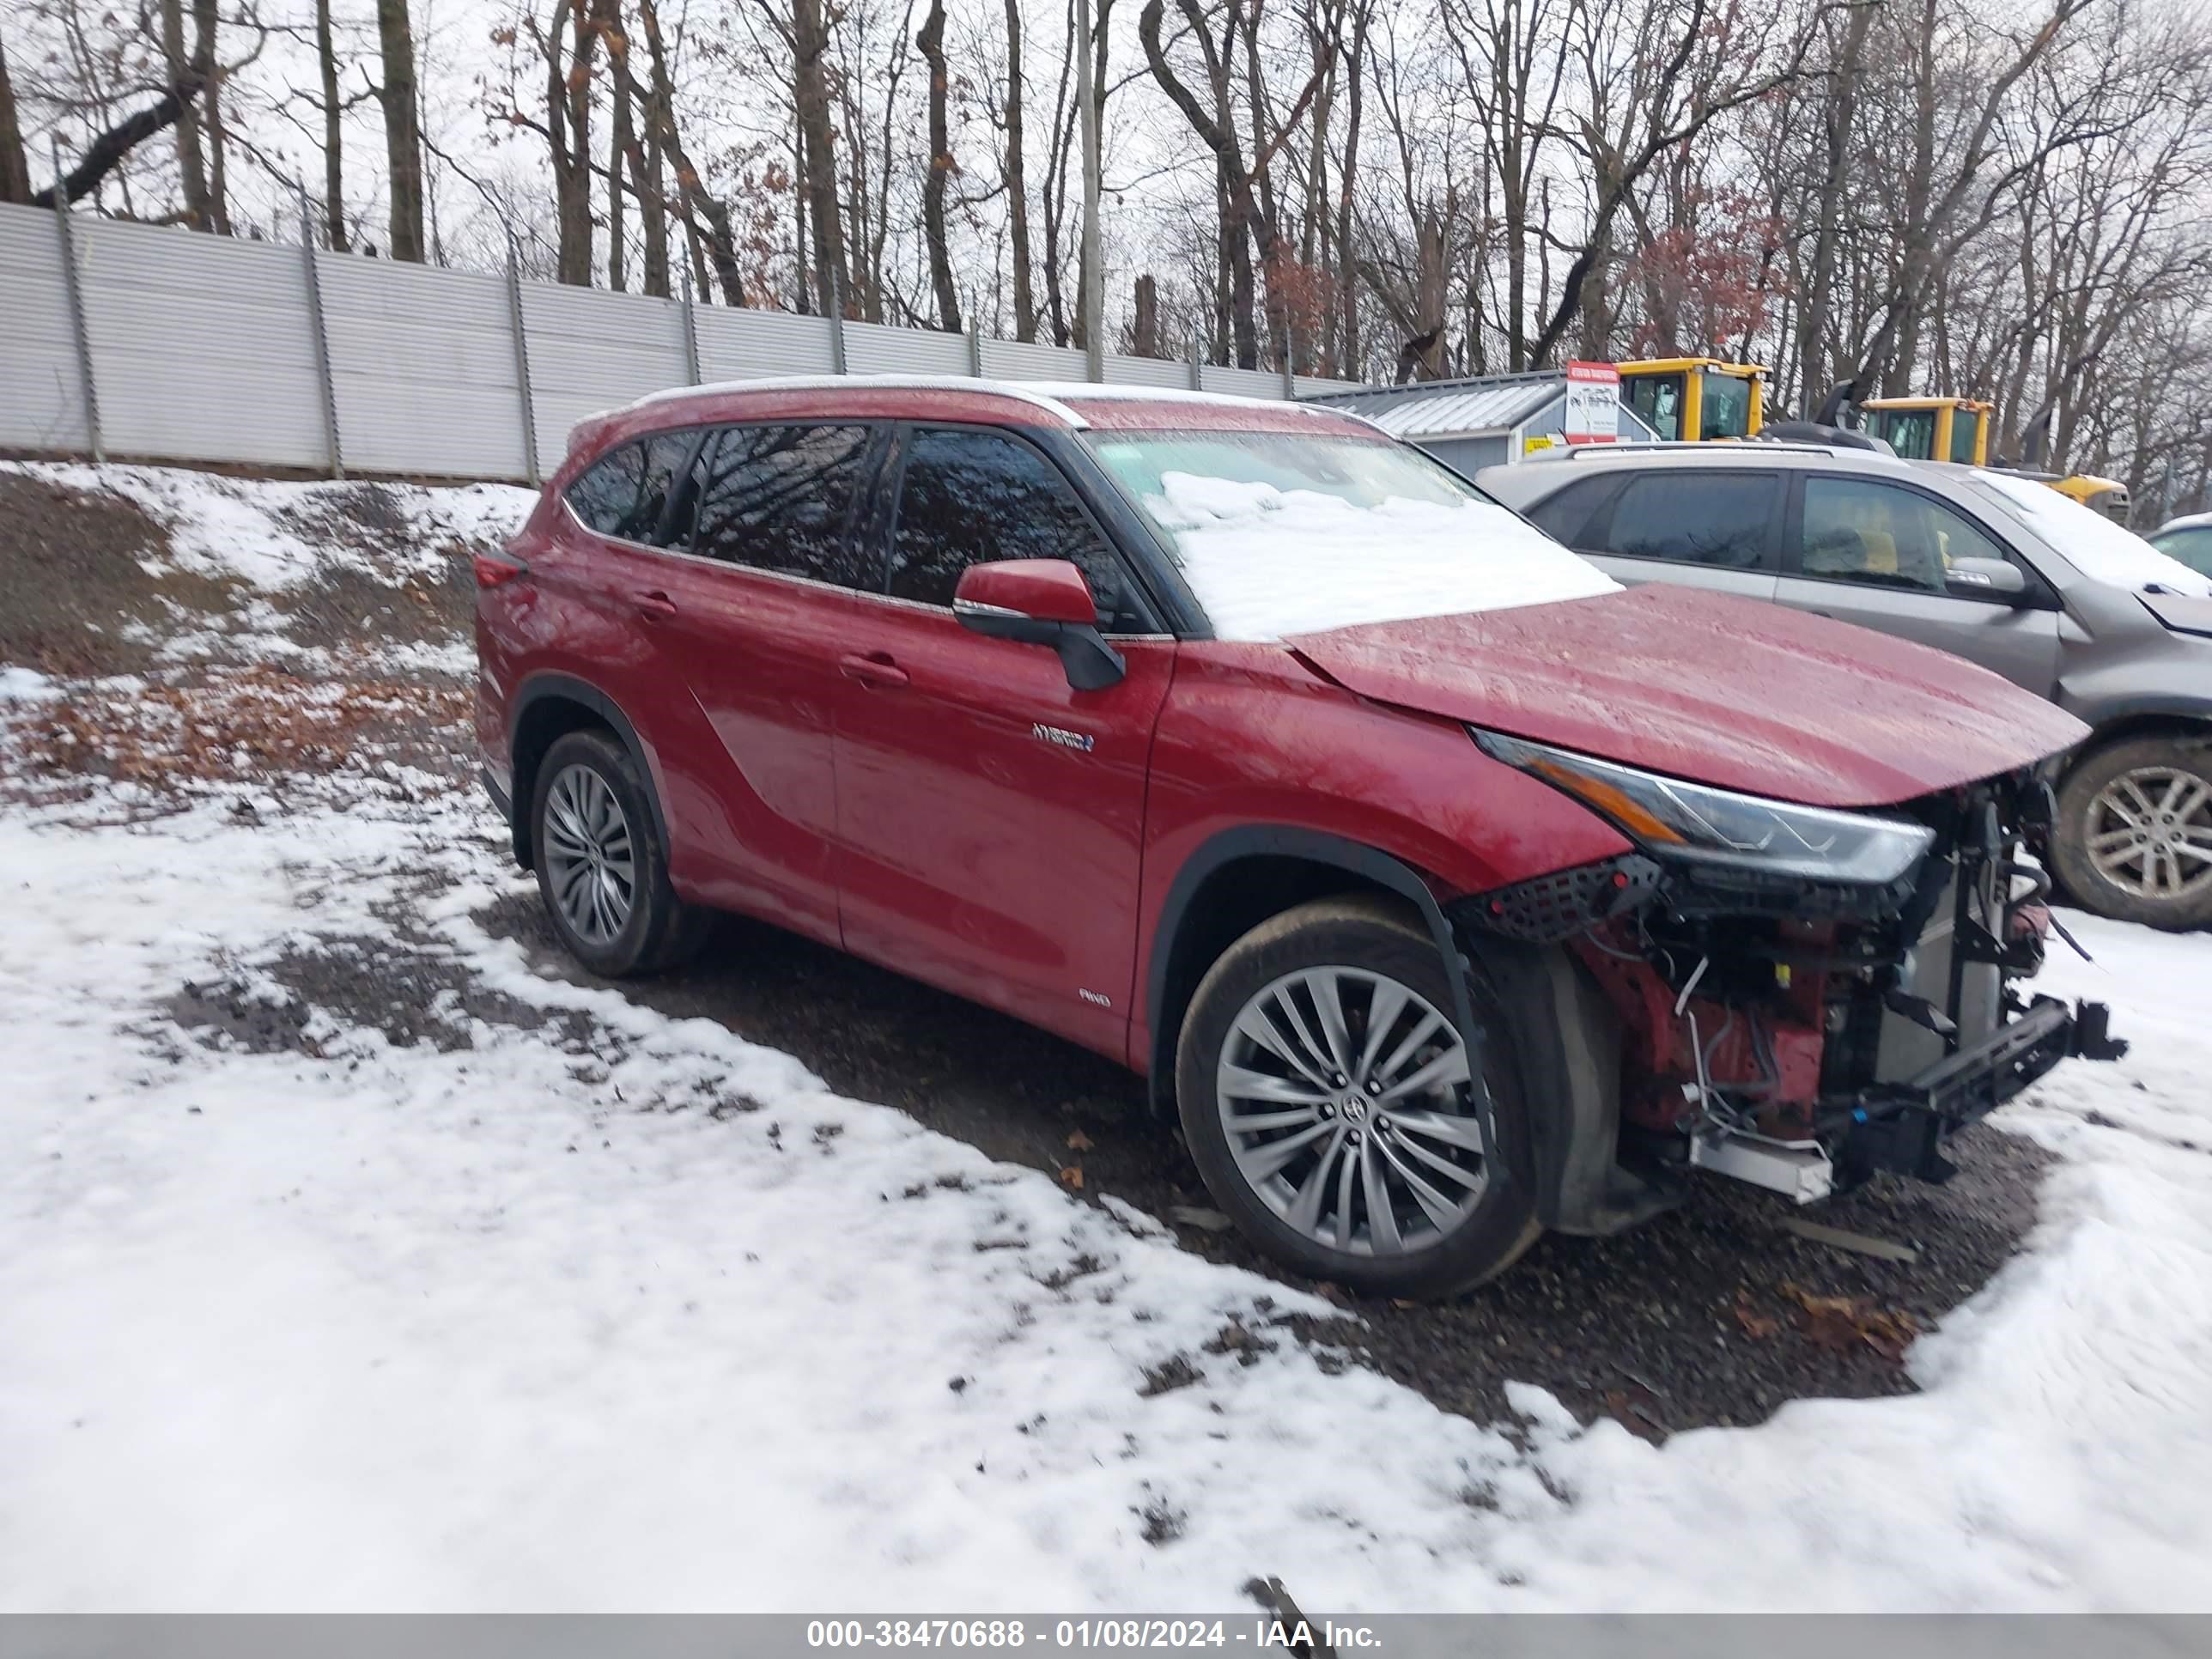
781	498
2191	545
971	497
1694	517
626	495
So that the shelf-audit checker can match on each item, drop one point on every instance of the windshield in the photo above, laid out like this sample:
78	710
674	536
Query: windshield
2100	549
1284	533
1726	411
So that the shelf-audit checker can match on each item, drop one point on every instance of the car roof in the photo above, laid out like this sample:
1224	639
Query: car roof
2186	521
1070	406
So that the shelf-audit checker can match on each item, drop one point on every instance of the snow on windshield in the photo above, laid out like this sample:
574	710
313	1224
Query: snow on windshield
2100	549
1382	535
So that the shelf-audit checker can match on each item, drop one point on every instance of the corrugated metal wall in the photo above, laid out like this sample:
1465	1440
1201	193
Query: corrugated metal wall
210	349
41	393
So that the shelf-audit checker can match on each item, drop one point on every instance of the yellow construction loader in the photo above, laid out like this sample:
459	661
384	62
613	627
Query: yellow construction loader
1696	399
1932	428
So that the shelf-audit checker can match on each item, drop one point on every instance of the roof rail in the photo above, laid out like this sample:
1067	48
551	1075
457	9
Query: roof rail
1645	446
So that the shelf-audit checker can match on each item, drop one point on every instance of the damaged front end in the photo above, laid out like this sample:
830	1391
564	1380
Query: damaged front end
1802	996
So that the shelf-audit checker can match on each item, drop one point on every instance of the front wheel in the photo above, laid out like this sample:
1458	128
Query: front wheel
2133	835
1327	1096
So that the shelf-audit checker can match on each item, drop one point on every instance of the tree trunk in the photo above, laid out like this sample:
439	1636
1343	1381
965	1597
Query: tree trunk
932	42
326	61
1018	205
1347	259
569	128
403	132
1838	113
191	164
15	166
1146	339
698	202
619	145
810	87
207	58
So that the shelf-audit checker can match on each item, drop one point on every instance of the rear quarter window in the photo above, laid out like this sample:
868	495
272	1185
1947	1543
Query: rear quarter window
1569	515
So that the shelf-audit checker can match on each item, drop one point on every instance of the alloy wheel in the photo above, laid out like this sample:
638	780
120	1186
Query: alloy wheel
1346	1099
2150	833
590	861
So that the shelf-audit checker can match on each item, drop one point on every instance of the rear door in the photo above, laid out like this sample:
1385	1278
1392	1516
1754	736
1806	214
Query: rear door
1874	552
753	603
990	817
1694	526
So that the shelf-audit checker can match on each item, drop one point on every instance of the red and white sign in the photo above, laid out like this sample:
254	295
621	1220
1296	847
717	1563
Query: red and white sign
1593	404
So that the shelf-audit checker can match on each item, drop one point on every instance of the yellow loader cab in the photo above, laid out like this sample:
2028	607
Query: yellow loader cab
1932	428
1696	399
2107	496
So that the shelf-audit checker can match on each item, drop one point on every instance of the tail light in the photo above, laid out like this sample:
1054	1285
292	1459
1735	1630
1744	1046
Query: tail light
497	569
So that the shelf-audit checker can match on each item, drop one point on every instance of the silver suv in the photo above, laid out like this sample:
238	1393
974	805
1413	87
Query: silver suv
2000	569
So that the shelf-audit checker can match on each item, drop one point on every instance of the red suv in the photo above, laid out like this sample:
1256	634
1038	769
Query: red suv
1447	891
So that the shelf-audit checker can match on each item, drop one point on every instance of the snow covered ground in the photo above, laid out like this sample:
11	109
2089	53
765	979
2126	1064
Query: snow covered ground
571	1305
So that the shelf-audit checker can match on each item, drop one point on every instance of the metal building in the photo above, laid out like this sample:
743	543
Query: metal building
1472	423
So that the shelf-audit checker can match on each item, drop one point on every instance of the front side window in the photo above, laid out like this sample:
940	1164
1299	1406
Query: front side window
781	498
969	497
1858	530
1690	516
1965	427
1725	409
1657	399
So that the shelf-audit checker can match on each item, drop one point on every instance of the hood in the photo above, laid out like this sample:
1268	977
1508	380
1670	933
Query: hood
1733	693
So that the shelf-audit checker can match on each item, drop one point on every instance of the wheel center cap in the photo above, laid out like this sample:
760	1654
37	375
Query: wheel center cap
1354	1108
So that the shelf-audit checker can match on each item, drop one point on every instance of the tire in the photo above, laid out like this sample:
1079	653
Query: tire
1357	946
2158	791
592	829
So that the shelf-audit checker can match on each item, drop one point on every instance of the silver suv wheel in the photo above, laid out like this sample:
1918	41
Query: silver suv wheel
589	864
1343	1096
2149	833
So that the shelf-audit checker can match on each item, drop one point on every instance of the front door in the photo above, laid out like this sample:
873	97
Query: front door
990	817
1869	551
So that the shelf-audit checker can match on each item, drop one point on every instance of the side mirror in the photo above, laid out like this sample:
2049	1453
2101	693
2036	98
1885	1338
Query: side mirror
1040	602
1986	579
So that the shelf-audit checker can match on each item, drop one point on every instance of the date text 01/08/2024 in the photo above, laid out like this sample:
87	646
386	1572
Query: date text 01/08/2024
1124	1635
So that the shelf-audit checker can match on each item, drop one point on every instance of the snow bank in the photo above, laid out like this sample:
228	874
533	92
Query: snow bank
271	534
1268	563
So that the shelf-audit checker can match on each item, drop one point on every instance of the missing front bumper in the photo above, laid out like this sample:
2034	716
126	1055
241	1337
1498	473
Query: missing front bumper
1904	1127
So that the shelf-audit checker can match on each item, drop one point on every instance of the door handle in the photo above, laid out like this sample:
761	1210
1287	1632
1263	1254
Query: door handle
653	603
875	669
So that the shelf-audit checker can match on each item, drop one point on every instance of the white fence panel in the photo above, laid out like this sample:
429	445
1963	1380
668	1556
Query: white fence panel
1242	382
41	393
1011	360
422	368
203	347
591	350
876	349
752	345
1147	371
1314	386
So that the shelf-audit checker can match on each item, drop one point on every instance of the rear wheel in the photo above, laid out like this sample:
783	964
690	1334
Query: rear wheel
602	870
2134	836
1327	1098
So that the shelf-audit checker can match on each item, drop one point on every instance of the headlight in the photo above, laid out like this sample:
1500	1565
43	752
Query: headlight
1671	819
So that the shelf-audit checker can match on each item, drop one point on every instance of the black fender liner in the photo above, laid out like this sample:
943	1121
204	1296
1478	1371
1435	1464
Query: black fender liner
546	686
1312	846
